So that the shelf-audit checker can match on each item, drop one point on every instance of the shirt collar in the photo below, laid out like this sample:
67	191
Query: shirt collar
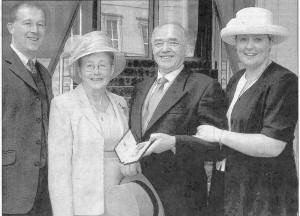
171	76
23	58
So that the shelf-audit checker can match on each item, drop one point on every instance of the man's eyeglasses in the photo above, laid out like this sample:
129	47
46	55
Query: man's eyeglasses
170	43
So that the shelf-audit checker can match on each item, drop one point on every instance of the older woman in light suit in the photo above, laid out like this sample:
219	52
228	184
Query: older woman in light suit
85	125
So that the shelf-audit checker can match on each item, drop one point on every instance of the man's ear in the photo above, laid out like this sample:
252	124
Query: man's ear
10	27
187	49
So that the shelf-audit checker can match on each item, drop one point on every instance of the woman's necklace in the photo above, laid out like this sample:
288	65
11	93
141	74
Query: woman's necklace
100	106
252	80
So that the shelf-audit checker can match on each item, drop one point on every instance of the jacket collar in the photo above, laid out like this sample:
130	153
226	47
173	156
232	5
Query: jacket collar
174	93
16	66
136	111
88	111
170	98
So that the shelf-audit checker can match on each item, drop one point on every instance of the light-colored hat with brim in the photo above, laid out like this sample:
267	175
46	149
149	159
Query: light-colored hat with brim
78	46
253	20
135	196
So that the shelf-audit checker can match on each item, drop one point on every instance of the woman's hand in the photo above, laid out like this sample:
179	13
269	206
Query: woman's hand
209	133
131	169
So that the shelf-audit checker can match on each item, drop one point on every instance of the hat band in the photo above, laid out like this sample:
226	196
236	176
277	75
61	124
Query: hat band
150	194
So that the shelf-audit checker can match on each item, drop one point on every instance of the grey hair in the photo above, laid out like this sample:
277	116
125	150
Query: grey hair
185	33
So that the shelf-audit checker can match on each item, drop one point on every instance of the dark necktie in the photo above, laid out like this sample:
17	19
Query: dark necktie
153	101
31	66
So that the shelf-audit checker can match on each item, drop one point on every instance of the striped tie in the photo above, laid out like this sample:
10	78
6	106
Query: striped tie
31	66
153	101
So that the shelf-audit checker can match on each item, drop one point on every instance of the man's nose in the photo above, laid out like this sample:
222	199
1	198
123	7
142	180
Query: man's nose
34	28
165	46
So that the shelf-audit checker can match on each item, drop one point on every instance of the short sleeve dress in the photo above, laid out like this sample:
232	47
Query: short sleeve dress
256	185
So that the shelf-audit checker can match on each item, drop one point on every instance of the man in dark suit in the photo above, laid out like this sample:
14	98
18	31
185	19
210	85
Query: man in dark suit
167	110
26	95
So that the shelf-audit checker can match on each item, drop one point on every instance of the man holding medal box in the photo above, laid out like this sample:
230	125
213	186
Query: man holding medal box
166	110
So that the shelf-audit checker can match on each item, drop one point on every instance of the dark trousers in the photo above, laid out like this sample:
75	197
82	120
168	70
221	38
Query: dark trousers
41	206
216	194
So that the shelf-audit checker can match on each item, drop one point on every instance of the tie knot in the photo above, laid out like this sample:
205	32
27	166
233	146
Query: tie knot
31	65
162	81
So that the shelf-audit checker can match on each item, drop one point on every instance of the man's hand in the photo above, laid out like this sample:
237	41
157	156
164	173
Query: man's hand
131	169
161	142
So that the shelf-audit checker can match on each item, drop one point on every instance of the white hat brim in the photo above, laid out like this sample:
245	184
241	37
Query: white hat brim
118	198
277	33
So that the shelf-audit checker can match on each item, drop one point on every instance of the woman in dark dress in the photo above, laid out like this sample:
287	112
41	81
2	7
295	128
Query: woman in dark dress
260	172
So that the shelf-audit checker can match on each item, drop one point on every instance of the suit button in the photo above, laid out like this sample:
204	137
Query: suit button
45	117
38	142
44	156
38	120
37	99
37	164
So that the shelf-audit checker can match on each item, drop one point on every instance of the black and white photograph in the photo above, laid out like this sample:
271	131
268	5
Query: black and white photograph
150	108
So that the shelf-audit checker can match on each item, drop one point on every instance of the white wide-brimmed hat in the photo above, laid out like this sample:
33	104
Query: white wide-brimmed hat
78	46
253	20
135	196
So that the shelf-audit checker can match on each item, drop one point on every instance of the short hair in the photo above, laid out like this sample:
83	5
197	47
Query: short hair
26	4
185	33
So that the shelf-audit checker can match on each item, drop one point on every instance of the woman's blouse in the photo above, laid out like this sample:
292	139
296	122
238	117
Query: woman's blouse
111	127
238	92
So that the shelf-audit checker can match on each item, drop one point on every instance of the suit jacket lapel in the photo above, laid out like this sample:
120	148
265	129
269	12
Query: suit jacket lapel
118	110
47	79
136	120
173	94
87	108
17	67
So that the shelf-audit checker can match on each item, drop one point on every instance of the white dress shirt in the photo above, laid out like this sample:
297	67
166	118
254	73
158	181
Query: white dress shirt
24	59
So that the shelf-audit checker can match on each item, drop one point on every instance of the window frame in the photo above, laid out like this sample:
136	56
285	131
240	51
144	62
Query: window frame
113	17
144	24
153	20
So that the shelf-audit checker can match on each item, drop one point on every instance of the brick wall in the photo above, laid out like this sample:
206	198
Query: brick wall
138	70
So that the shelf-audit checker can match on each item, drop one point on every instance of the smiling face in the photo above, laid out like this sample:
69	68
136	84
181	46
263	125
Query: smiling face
253	50
96	70
169	47
28	30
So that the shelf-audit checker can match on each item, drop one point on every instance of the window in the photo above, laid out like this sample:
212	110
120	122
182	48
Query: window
61	81
129	24
112	30
144	29
112	24
143	25
184	12
121	20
